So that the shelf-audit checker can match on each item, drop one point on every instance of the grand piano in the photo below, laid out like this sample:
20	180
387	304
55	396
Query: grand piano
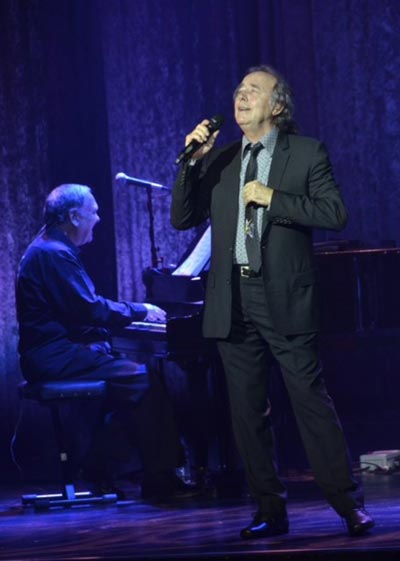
188	363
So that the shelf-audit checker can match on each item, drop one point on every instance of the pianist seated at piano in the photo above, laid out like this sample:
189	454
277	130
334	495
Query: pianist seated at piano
64	335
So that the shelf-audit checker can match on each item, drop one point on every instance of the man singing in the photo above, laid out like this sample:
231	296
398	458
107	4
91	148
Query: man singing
264	194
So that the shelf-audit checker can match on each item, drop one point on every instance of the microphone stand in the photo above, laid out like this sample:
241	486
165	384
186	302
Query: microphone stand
153	248
124	179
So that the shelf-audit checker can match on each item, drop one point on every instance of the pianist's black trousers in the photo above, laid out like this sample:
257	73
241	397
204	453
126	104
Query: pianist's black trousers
245	358
137	404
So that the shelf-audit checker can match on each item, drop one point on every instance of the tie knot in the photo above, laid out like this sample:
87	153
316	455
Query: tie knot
254	149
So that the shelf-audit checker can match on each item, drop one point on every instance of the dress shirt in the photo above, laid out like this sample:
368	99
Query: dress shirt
264	159
57	304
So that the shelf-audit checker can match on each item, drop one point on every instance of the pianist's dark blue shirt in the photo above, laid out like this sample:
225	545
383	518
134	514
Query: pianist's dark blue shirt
59	312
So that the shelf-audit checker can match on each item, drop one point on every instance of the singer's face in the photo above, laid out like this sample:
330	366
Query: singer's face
252	102
87	217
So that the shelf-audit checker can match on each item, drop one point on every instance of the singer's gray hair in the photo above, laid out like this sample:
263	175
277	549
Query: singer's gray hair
61	200
281	95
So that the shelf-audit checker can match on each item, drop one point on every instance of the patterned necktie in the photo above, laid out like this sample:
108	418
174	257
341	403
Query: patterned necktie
252	236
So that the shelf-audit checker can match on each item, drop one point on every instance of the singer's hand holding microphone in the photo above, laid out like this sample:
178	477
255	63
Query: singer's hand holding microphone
201	139
202	135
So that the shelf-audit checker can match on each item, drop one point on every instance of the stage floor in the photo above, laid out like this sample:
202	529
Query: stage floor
204	528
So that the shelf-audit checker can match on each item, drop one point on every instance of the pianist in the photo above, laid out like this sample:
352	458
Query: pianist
64	335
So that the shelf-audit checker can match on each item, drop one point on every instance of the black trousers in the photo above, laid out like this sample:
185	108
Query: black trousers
137	405
245	359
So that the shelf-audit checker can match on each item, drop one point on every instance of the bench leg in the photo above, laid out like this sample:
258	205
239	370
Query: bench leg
69	496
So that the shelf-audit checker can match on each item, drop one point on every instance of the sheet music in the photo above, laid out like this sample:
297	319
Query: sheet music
198	258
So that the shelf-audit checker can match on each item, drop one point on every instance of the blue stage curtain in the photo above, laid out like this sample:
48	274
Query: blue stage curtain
168	65
162	66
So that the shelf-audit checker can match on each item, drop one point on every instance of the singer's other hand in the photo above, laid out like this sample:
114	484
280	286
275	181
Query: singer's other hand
256	192
202	134
154	313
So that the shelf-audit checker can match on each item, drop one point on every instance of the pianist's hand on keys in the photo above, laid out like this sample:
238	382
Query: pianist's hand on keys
155	314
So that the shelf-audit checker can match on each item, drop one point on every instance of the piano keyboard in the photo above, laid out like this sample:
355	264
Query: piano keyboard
148	326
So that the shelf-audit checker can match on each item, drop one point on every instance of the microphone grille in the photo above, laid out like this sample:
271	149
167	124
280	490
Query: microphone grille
120	176
216	122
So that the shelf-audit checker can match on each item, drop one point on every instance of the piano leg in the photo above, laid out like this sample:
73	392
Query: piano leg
198	391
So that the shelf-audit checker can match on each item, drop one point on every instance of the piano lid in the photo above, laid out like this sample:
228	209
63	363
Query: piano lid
181	292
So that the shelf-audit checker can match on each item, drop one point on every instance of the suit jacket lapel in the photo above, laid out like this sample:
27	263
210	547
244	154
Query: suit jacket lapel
231	181
280	158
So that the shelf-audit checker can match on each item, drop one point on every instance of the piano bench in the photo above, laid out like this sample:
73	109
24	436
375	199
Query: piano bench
52	395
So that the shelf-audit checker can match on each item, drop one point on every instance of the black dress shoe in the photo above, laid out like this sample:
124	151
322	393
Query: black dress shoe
358	522
265	526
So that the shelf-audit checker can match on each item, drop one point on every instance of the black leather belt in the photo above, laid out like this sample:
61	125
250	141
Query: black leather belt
245	271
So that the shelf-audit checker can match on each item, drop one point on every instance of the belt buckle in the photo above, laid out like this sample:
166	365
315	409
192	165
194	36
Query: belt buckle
245	271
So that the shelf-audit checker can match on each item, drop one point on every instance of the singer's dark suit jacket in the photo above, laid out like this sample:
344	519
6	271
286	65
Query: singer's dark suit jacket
306	196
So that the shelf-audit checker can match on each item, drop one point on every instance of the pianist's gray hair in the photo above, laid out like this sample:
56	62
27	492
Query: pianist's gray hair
61	200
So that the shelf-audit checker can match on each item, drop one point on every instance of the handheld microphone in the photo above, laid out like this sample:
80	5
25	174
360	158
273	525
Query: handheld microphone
215	124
